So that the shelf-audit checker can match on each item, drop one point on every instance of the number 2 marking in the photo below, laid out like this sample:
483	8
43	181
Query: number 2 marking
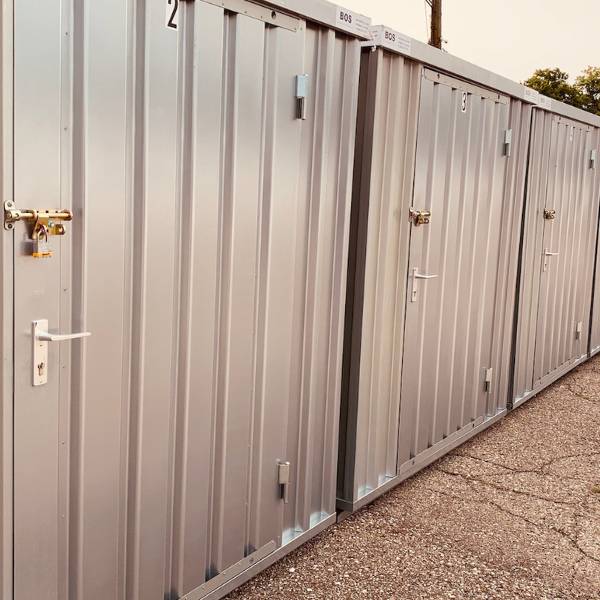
172	8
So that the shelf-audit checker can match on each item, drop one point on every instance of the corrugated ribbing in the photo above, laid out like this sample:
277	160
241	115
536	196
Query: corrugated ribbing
595	191
374	328
214	290
506	282
559	254
449	324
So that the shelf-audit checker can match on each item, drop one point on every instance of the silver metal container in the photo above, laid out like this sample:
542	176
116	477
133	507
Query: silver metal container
560	232
437	205
205	151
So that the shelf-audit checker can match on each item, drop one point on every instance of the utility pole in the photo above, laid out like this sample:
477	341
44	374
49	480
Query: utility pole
436	23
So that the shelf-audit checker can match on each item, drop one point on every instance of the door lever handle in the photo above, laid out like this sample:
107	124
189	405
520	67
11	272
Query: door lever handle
41	334
546	254
40	338
44	336
416	275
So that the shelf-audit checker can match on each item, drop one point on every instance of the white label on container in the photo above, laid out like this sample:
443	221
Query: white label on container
545	102
172	14
394	40
353	22
531	95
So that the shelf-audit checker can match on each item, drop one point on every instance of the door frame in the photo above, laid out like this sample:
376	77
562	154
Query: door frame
6	305
541	381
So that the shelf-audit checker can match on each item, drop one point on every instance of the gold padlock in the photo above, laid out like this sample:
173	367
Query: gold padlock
40	244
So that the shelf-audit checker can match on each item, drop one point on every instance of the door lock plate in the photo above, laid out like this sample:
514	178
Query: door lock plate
40	353
420	217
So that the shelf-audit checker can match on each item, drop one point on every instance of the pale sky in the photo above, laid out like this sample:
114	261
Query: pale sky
509	37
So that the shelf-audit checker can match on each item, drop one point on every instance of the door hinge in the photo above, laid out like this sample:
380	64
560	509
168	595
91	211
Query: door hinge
487	382
301	95
593	158
507	142
283	479
578	330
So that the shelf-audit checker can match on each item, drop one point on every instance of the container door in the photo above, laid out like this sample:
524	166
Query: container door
454	252
566	261
200	150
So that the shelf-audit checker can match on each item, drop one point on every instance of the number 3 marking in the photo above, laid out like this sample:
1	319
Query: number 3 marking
172	7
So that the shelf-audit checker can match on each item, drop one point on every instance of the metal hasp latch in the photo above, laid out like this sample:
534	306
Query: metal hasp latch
420	217
549	214
41	224
40	338
283	479
301	95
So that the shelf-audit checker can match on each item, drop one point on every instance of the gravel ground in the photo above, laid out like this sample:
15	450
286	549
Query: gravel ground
514	513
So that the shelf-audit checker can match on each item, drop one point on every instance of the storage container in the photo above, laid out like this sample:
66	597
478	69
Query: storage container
205	151
559	247
437	204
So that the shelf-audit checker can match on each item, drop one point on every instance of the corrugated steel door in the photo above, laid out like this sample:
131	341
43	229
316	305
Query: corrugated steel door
207	257
453	263
566	261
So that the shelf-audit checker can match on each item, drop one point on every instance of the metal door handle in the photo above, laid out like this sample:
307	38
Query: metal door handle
416	275
546	254
40	338
40	333
44	336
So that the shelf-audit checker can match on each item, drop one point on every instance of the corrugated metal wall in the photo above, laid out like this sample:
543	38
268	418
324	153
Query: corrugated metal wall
384	172
558	254
208	257
456	167
520	122
595	325
459	176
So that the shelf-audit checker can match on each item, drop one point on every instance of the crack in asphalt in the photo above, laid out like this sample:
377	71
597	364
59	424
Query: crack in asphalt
501	488
541	469
487	501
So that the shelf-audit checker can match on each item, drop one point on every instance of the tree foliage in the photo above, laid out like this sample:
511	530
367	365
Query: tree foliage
588	85
554	83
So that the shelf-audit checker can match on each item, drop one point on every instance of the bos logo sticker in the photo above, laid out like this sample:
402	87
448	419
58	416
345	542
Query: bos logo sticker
172	21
